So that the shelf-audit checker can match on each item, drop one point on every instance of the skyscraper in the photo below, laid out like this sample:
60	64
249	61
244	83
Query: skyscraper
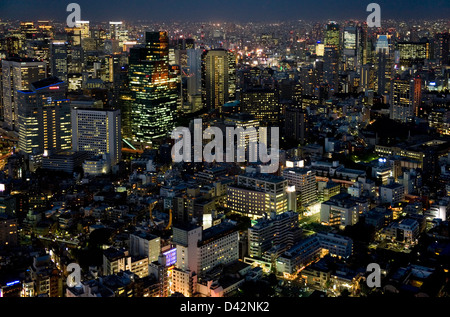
18	74
218	78
44	117
405	97
58	59
154	91
332	34
97	131
262	103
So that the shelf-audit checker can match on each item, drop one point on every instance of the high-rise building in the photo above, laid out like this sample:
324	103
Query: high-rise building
296	124
154	91
58	59
442	48
405	97
97	131
44	117
350	46
411	53
332	36
118	31
262	103
84	28
304	180
256	195
383	61
199	251
144	244
18	74
218	78
269	232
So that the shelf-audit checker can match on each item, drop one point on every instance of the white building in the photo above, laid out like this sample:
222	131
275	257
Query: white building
281	229
406	230
392	193
256	194
304	180
145	244
97	131
199	251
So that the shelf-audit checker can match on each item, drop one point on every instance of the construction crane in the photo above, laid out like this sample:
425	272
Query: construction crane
151	206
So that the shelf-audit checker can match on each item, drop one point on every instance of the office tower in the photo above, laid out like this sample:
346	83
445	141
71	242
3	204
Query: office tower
305	184
145	244
154	93
46	277
97	131
296	124
84	28
282	230
58	59
18	74
244	121
405	97
44	117
332	34
256	195
118	31
368	77
442	48
413	53
331	67
262	103
350	46
194	67
218	78
199	251
384	63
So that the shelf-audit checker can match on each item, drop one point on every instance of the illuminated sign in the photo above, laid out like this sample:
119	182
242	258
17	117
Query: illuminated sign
54	87
171	257
12	283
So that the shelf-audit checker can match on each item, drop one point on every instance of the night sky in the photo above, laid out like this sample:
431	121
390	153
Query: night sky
223	10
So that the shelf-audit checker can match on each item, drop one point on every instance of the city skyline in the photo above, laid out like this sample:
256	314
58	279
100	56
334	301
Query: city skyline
134	155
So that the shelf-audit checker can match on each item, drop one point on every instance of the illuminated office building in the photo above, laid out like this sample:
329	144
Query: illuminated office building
262	103
84	28
244	121
332	36
411	53
442	48
18	74
304	181
97	131
256	195
351	38
58	59
405	98
268	232
118	31
384	63
199	251
44	117
154	90
218	78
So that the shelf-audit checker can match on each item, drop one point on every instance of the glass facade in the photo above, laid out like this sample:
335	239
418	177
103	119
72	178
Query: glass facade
153	88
